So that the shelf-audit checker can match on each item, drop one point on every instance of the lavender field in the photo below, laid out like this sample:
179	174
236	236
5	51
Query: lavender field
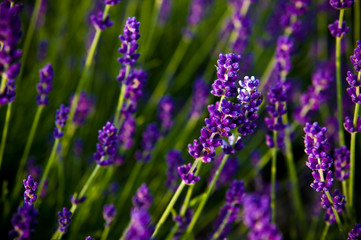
180	119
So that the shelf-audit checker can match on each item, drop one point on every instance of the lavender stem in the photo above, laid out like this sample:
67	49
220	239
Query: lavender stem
325	231
5	132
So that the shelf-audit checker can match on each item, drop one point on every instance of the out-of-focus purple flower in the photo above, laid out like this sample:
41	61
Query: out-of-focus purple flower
100	22
129	46
355	233
283	53
338	205
64	220
298	7
89	238
33	169
277	97
339	4
75	200
62	115
84	108
183	222
174	158
149	138
337	31
24	222
164	12
30	190
43	50
200	97
187	176
356	58
229	170
42	12
342	163
140	225
111	2
108	214
45	84
230	209
165	112
142	198
126	132
196	11
349	126
78	147
107	146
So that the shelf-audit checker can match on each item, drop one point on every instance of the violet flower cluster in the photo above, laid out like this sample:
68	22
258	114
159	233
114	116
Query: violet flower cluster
30	190
355	233
257	216
10	33
339	4
342	163
229	212
107	146
165	112
174	158
100	21
84	108
142	198
62	115
149	138
108	214
64	220
45	84
200	97
339	30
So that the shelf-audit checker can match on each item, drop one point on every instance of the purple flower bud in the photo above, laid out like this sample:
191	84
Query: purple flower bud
140	225
108	214
342	163
355	233
89	238
30	190
99	22
356	58
62	115
174	159
142	198
111	2
200	97
349	126
165	10
337	31
165	112
45	84
149	139
74	200
339	4
84	108
64	220
187	176
24	222
107	146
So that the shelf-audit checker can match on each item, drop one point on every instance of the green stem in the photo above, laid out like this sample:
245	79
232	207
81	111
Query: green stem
273	177
217	234
29	142
5	132
47	169
4	80
120	101
204	200
105	233
325	231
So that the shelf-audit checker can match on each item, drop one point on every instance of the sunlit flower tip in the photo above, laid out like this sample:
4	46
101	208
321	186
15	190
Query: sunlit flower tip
108	214
142	198
337	31
64	220
30	190
188	177
62	115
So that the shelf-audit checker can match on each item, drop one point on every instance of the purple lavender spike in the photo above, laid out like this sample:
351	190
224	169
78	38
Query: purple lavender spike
62	115
165	112
149	139
174	159
337	31
200	97
99	22
84	108
355	233
108	214
107	146
342	163
142	198
141	227
45	84
111	2
356	58
64	220
339	4
24	222
30	190
188	177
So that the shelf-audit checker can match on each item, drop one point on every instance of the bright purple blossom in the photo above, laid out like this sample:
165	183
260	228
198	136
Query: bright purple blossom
355	233
174	159
141	227
337	31
100	22
283	53
45	84
109	212
338	205
62	115
342	163
350	127
149	139
64	220
277	97
142	198
200	97
339	4
187	176
165	112
107	146
356	58
24	222
30	190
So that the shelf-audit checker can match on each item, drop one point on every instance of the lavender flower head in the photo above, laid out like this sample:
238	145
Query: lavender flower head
342	163
336	31
165	111
188	176
319	160
174	158
339	4
111	2
165	10
355	233
196	11
62	115
108	214
45	84
30	190
200	97
84	108
356	58
64	220
89	238
129	46
142	198
24	222
149	138
183	222
283	53
338	204
140	225
134	90
126	132
100	22
107	146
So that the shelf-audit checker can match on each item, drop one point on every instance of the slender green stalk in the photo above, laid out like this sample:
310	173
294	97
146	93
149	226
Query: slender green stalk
4	80
29	142
325	231
217	234
120	102
105	233
273	177
48	166
339	84
204	200
5	132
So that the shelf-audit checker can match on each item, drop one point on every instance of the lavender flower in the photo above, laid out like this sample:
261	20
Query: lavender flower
149	138
24	222
142	198
140	226
200	97
165	10
89	238
337	31
129	46
174	158
183	222
75	200
196	11
30	190
108	214
242	26
342	163
355	233
107	146
111	2
126	132
44	86
187	176
64	220
165	111
100	22
83	109
349	126
229	170
230	209
134	90
62	115
283	54
356	58
339	4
